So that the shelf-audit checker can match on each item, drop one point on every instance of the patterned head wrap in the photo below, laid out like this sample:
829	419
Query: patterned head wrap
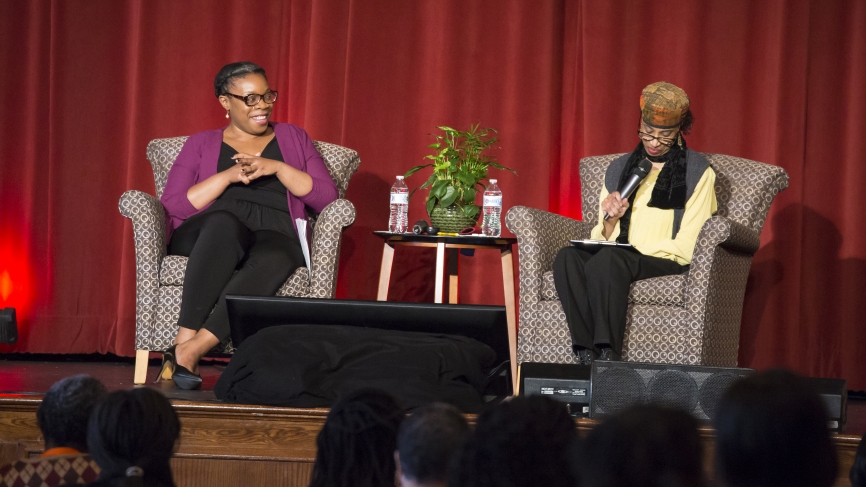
663	105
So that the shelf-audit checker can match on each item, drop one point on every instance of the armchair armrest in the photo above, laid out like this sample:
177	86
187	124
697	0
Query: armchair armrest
715	286
722	231
540	235
720	240
148	229
325	247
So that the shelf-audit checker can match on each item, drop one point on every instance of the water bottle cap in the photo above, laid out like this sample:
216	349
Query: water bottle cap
399	178
492	181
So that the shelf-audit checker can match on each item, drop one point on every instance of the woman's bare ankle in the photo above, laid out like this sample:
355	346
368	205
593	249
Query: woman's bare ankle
186	357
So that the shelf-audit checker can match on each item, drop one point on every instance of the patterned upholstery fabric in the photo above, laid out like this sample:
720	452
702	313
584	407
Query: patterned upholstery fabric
692	318
49	471
159	277
665	291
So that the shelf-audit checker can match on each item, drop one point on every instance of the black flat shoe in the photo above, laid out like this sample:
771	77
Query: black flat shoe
184	379
168	365
607	354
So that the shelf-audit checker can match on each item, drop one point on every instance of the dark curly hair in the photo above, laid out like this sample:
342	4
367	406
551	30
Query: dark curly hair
136	428
647	445
427	440
771	431
356	445
229	72
524	442
857	475
63	414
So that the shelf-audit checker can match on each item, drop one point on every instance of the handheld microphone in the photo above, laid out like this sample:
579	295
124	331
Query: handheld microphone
640	172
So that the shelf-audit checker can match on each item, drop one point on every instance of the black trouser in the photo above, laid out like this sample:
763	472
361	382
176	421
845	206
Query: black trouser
593	289
218	243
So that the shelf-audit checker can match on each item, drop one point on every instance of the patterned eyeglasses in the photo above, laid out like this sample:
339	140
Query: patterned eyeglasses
253	99
666	141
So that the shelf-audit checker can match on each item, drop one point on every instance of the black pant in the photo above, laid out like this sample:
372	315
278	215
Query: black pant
593	289
218	243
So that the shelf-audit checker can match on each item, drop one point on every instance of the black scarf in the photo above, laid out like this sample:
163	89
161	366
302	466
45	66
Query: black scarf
669	191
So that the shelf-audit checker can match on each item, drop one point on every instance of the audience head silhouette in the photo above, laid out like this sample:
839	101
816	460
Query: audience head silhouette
772	431
425	443
857	476
524	442
132	435
65	410
356	444
645	445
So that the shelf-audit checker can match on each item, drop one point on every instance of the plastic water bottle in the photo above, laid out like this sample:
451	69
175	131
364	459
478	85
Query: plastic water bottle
399	221
491	226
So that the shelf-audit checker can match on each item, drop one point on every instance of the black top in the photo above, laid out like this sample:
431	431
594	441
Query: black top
266	190
261	205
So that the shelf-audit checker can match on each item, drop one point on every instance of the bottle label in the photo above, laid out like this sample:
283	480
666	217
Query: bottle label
399	198
492	200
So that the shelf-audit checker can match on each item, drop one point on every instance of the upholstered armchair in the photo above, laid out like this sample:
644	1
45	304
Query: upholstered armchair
159	277
693	318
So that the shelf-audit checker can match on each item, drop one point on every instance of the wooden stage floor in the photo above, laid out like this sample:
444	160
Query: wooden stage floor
226	444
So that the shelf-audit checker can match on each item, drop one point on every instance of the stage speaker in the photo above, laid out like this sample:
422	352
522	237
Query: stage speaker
568	383
834	393
696	389
8	326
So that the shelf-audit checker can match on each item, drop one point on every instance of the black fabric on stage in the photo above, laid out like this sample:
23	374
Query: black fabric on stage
313	365
593	289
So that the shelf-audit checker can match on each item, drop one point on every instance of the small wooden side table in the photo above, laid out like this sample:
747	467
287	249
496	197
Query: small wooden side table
452	245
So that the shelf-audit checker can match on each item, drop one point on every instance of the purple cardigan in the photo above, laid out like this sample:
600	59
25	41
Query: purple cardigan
198	159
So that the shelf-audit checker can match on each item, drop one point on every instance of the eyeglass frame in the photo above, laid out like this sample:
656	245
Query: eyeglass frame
665	141
245	98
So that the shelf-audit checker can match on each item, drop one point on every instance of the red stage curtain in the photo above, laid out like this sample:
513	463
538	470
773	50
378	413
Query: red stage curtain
86	84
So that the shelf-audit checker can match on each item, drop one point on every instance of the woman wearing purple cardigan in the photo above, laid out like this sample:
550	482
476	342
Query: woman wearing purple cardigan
232	197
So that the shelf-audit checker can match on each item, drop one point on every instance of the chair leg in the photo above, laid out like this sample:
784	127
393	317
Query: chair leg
141	358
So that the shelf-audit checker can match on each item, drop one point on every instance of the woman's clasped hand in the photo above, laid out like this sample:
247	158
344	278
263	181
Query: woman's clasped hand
254	166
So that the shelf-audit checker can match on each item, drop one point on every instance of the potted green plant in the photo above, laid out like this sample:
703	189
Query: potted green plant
459	172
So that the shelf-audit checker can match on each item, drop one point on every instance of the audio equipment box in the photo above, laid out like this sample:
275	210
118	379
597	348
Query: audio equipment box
694	388
608	387
834	393
568	383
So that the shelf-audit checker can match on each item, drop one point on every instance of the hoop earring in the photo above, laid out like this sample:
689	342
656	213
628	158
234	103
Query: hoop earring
227	116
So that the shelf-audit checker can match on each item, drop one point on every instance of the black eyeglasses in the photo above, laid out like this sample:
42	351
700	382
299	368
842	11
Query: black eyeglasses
666	141
253	99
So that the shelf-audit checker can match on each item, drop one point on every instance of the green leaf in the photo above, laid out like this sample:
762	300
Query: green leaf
468	196
470	210
430	204
429	181
415	169
465	177
500	166
439	188
450	197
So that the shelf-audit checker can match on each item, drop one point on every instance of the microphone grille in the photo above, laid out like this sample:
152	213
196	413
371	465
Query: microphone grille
644	167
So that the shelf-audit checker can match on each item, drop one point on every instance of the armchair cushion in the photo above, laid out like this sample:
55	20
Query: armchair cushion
661	291
172	269
548	288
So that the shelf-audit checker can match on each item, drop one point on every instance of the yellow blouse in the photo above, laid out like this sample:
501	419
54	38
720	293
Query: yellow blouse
650	228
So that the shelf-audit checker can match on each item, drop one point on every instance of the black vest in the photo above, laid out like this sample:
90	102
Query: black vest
696	165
